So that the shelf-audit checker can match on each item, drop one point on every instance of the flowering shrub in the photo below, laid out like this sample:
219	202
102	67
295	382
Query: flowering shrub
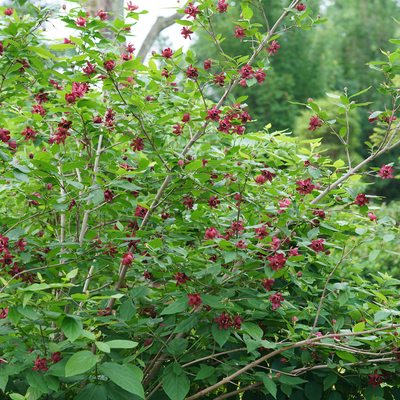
152	245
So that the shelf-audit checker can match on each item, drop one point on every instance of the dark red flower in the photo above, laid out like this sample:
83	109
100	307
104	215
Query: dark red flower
108	196
7	258
261	232
129	48
237	321
140	211
260	179
127	258
167	53
29	133
40	364
109	65
361	200
55	357
305	187
148	342
166	73
186	32
273	48
90	69
317	245
41	97
20	244
38	109
195	300
276	300
277	261
165	216
1	48
240	32
385	172
3	314
188	203
314	123
224	125
191	72
81	21
186	117
300	7
80	89
222	6
375	379
211	234
103	15
70	97
8	11
213	202
207	65
137	144
268	175
105	312
68	41
246	72
4	135
267	283
372	217
260	76
97	119
372	120
225	321
181	278
148	275
219	79
3	243
178	129
132	7
192	11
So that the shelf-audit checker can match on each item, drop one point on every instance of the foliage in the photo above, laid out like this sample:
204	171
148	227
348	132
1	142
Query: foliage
150	249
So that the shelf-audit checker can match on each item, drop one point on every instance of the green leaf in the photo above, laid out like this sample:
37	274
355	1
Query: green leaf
359	327
344	296
177	346
330	380
252	329
313	390
247	12
20	176
175	382
220	335
13	315
103	347
187	324
127	310
80	362
3	382
62	46
72	328
92	392
373	255
36	380
121	344
41	52
124	377
28	312
4	156
16	396
194	165
98	196
346	356
212	301
138	292
176	307
270	385
205	372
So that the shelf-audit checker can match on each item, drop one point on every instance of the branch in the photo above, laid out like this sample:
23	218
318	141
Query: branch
160	25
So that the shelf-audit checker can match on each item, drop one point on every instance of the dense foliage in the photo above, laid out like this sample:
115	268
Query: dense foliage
153	245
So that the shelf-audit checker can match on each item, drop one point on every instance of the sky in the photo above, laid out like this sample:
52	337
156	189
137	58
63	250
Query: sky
156	8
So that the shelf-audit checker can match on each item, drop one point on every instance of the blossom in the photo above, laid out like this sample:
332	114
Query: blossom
372	217
192	11
191	72
245	117
55	357
129	48
237	321
195	300
260	179
178	129
219	79
81	21
372	120
211	234
300	7
225	321
317	245
181	278
3	314
188	203
246	72
361	200
213	202
131	7
213	114
294	252
140	211
276	300
277	261
268	175
273	48
38	109
21	243
305	187
70	97
314	123
80	89
241	244
108	196
167	53
260	76
261	232
240	32
2	49
186	117
267	283
127	258
8	11
3	243
41	97
386	172
103	15
222	6
148	341
375	379
283	205
126	57
166	73
29	133
276	243
186	32
137	144
207	64
109	65
97	119
224	125
148	275
40	364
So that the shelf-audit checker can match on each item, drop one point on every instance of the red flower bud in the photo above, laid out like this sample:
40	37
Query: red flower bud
49	186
